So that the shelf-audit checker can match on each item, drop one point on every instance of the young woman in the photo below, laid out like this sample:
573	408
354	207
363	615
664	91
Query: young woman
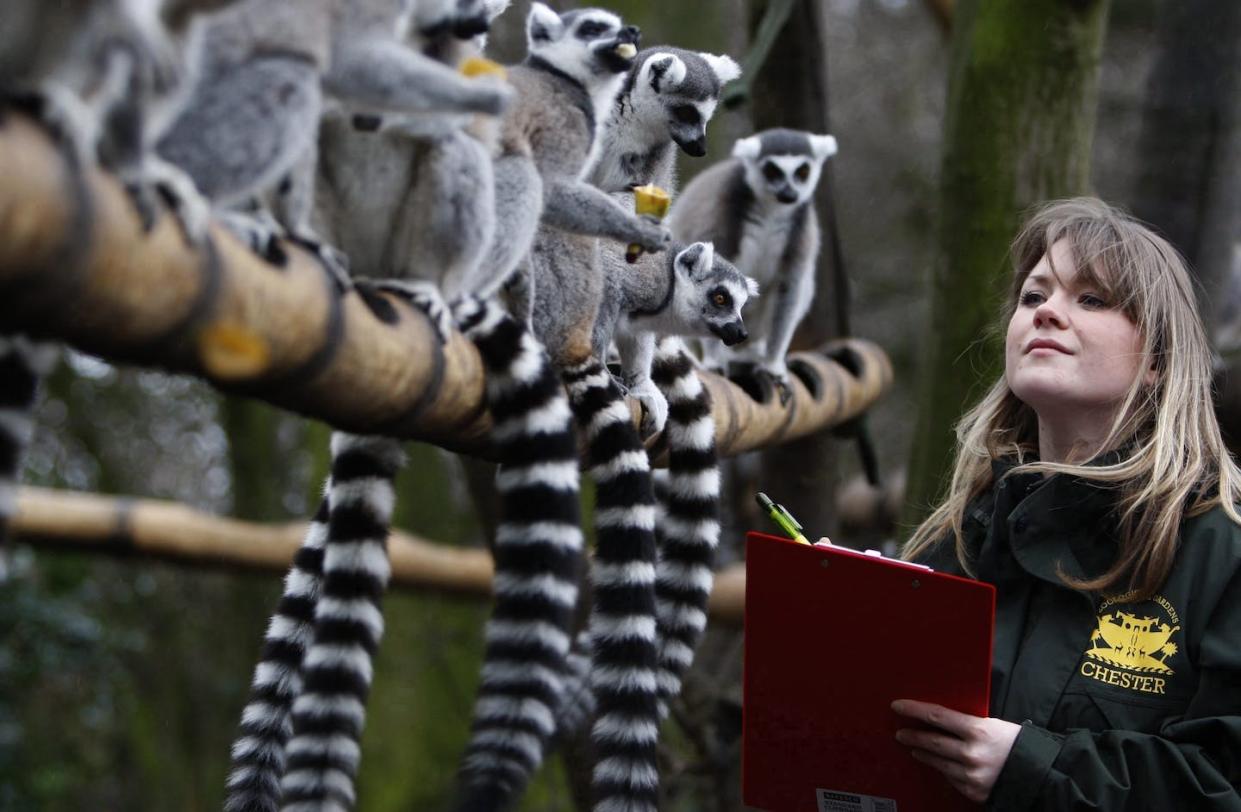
1092	487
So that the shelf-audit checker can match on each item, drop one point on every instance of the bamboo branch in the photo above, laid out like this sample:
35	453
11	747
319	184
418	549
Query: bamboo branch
76	266
63	520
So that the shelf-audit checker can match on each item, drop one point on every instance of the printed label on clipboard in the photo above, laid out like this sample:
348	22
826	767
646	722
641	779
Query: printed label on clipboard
834	800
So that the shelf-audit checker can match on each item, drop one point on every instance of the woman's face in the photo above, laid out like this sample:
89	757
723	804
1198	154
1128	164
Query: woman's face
1070	354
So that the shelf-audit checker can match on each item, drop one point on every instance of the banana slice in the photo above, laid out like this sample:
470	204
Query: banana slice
626	50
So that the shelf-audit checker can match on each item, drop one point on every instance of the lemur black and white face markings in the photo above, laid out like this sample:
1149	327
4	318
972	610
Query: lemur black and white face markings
666	102
718	289
784	165
758	209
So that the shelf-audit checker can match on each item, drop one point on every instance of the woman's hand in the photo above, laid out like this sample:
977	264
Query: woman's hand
968	750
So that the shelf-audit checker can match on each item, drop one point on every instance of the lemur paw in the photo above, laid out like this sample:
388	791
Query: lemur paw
162	180
651	235
333	260
426	297
192	210
70	123
762	383
257	232
654	407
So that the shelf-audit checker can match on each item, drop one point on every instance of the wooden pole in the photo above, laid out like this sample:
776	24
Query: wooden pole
75	266
64	520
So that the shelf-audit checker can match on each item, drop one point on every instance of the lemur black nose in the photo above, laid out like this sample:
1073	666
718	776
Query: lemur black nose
466	27
631	34
696	148
786	196
732	333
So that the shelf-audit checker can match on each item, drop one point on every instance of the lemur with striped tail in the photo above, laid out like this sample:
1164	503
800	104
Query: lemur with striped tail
576	309
538	544
757	208
667	101
299	733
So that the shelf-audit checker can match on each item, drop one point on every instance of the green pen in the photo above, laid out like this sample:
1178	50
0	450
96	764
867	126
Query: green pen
782	517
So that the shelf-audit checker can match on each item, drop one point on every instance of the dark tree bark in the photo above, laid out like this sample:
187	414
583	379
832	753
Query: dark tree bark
1020	121
1189	182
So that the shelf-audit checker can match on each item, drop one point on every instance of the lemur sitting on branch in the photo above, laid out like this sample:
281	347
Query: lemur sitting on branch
757	208
666	102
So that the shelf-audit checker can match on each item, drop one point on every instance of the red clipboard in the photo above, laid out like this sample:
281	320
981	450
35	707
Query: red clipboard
832	636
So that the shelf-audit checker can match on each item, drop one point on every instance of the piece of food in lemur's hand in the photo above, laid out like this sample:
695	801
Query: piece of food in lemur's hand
650	201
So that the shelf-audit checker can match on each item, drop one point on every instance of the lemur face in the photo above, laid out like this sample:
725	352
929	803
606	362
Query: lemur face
784	165
681	89
711	294
584	43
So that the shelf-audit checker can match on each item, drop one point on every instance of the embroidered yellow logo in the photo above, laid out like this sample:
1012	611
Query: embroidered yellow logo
1136	641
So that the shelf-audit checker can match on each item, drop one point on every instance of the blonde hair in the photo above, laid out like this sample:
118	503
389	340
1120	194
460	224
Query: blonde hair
1173	462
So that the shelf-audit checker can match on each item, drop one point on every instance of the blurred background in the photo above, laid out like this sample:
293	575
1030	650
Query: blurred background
122	679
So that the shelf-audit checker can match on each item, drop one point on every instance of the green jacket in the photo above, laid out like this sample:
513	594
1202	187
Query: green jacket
1123	706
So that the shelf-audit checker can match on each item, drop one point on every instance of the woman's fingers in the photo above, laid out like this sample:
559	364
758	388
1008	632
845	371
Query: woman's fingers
936	743
960	724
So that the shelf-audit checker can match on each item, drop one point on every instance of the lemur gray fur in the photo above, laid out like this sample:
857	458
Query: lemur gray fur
757	208
537	550
410	198
251	124
666	102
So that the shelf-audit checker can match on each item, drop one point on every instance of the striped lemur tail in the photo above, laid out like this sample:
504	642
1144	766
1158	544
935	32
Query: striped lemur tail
538	560
689	528
298	746
687	531
623	677
22	365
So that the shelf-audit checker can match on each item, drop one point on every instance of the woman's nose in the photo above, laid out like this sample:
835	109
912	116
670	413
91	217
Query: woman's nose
1047	314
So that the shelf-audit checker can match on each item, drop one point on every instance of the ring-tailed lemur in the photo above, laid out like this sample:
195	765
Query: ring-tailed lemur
410	199
668	99
537	551
250	125
757	209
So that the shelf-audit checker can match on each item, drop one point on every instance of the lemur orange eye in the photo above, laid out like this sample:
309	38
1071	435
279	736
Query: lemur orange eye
720	299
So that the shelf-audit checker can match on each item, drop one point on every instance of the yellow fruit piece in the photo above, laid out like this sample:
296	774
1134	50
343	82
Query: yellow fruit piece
651	200
478	66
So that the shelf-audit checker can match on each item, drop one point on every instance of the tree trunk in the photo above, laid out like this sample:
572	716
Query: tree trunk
1189	151
1019	125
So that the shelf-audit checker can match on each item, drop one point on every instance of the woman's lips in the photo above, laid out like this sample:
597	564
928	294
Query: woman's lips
1046	344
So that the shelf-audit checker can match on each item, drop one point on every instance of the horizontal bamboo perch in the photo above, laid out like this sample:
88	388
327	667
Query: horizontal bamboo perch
170	531
76	266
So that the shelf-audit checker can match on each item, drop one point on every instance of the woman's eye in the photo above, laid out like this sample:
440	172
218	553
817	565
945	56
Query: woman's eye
1030	297
1091	300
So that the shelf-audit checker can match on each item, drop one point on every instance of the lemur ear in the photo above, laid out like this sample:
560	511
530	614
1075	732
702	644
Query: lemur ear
723	66
747	149
494	8
696	259
665	71
823	146
751	287
543	24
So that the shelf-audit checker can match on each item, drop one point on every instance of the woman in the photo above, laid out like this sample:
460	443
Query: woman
1092	487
